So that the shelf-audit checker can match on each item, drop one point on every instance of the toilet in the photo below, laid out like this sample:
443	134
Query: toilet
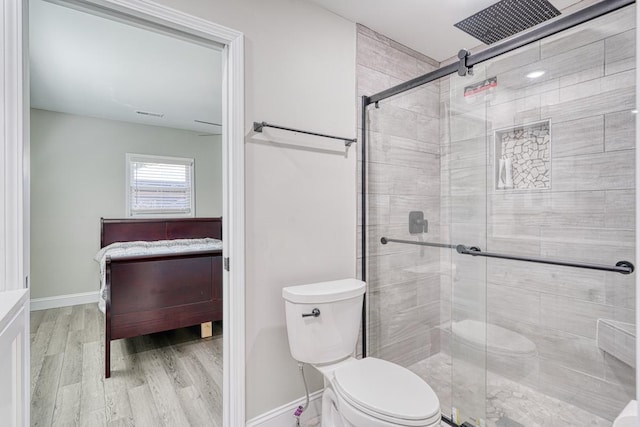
323	321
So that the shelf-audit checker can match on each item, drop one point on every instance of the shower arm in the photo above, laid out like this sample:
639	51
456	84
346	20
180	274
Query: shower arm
622	267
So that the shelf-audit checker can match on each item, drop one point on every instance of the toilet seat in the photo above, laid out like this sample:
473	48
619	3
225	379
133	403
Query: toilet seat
387	392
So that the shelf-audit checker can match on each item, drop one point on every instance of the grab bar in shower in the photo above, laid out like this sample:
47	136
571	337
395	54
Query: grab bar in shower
622	267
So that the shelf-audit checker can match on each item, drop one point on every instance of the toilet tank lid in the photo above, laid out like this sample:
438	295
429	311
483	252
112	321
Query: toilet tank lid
323	292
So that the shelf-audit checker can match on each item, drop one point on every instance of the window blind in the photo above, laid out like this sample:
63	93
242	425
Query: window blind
160	186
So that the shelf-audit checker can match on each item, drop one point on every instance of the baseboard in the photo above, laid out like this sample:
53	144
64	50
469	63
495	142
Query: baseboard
283	416
64	300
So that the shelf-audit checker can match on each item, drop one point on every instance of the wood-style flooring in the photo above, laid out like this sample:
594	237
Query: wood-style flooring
171	378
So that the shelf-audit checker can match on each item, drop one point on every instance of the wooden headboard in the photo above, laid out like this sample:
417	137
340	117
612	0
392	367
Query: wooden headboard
128	230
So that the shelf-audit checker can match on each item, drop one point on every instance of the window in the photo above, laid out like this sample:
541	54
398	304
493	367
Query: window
159	186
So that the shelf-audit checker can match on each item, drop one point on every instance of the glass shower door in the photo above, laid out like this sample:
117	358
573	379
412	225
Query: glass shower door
464	171
540	164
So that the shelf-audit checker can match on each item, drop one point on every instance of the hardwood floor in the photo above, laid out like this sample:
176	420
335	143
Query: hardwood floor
171	378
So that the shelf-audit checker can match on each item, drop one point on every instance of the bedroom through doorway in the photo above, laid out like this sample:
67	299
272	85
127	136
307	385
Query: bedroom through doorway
127	242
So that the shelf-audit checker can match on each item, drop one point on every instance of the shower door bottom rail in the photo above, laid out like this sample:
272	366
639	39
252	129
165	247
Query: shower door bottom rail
622	267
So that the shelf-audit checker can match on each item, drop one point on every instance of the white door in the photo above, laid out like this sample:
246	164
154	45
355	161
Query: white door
14	358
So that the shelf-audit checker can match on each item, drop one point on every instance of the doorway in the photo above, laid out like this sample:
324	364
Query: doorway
166	20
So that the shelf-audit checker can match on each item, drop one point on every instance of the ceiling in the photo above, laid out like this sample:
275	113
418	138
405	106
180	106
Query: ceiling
423	25
94	66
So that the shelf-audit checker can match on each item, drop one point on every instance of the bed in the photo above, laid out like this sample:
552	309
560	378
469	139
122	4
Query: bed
158	292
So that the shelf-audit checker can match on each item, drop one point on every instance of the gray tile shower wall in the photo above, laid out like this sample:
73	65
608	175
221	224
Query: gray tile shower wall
588	95
432	149
403	172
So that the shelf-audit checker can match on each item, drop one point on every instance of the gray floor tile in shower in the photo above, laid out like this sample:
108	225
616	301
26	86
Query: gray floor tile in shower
507	400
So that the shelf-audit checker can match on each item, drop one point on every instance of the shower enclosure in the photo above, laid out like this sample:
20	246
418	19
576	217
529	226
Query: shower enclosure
498	221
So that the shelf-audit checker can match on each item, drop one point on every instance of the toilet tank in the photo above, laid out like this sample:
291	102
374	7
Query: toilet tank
323	319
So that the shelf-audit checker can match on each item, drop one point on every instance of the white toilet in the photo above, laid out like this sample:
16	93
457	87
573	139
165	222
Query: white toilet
323	321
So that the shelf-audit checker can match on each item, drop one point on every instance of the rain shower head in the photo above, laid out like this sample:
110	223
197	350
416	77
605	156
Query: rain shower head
506	18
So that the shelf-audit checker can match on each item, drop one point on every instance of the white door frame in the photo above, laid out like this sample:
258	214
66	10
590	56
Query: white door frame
14	158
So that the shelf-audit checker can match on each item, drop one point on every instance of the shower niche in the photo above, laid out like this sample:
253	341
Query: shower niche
523	157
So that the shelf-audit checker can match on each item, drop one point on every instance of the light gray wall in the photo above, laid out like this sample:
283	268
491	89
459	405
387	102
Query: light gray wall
300	191
78	176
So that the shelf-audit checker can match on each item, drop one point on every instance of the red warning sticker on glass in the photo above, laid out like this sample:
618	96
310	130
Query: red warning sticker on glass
481	86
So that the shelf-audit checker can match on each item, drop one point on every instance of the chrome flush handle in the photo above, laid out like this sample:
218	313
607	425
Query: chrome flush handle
314	313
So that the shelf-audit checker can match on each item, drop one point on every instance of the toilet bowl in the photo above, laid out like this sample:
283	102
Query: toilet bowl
374	392
323	321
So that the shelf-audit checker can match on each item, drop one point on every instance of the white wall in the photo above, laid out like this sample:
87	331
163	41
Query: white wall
78	175
300	203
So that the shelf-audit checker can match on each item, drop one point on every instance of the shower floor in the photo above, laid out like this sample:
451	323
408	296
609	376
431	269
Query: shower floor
507	401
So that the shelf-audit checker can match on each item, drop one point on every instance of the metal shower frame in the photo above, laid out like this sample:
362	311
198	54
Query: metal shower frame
463	67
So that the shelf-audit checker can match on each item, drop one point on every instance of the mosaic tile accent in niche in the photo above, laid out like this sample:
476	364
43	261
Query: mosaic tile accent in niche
523	157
